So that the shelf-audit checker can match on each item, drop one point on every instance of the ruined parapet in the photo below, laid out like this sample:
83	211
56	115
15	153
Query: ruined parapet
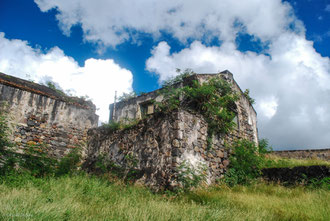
42	116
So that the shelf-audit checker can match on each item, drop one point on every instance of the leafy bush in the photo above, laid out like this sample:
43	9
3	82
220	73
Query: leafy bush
127	172
317	183
4	128
247	95
126	96
36	161
112	126
54	86
69	163
246	162
7	161
123	124
190	176
264	147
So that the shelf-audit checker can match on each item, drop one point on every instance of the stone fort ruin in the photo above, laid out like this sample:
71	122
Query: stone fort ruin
159	145
44	117
153	150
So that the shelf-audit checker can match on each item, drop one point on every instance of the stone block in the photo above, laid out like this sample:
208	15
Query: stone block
176	152
176	143
220	153
30	123
178	134
225	163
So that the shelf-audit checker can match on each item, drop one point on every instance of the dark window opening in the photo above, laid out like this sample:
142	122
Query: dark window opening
233	108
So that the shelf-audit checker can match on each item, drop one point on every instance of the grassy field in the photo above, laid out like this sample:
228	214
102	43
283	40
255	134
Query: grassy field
81	197
276	161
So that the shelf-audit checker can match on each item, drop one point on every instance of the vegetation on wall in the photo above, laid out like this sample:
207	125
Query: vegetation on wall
246	93
127	96
52	85
67	95
34	160
4	128
214	99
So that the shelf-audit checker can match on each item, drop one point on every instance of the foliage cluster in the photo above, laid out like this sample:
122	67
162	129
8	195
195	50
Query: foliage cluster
67	95
58	89
190	176
104	166
246	161
214	99
36	162
35	159
247	95
4	128
124	124
127	96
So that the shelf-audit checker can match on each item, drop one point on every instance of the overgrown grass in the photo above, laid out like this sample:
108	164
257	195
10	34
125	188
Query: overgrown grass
81	197
278	162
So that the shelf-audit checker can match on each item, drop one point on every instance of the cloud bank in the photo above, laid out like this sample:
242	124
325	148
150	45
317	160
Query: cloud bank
111	22
97	78
288	78
292	87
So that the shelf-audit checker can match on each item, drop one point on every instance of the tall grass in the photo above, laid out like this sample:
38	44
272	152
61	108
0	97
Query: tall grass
81	197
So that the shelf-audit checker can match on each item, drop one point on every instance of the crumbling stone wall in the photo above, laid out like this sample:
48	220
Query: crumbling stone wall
246	115
41	116
322	154
160	144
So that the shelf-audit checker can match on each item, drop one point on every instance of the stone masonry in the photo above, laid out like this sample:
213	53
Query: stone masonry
159	144
322	154
41	116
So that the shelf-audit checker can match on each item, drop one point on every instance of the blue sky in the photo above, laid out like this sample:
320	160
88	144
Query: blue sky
278	49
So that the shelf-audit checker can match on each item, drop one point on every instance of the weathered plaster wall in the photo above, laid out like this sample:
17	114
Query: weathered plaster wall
323	154
159	145
41	117
131	109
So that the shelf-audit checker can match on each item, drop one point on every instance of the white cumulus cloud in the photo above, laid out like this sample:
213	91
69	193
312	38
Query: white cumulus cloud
111	22
291	85
288	78
99	79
